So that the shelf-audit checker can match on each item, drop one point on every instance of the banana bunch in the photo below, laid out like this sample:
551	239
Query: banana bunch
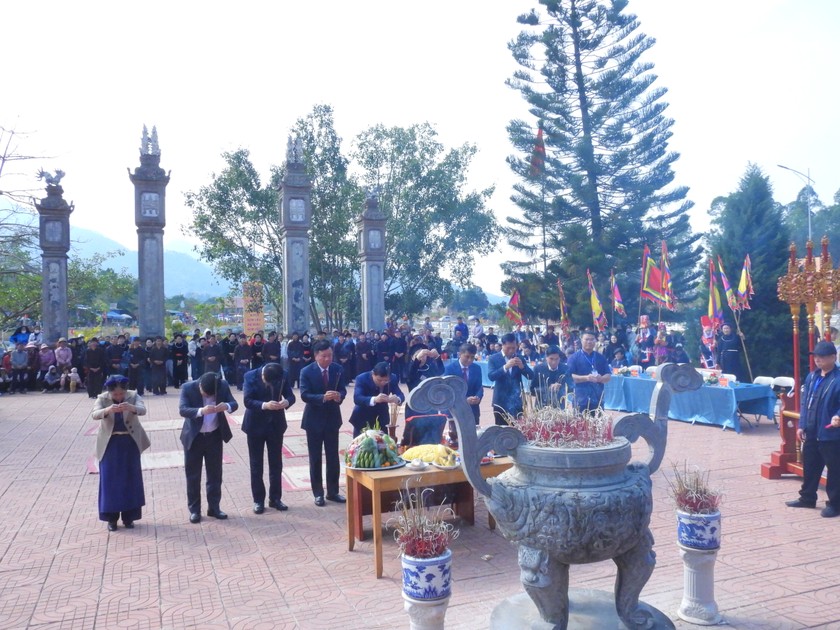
433	454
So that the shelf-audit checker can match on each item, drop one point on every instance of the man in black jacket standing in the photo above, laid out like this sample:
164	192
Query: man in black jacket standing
268	393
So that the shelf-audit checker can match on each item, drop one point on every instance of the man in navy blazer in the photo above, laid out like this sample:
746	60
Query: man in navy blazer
470	372
268	393
373	392
203	406
322	389
506	370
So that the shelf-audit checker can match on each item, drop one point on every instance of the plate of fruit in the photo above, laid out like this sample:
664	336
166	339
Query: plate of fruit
372	450
437	455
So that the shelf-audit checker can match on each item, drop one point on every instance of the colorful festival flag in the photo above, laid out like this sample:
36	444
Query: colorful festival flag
745	286
513	313
599	319
670	301
565	322
730	294
715	306
538	156
618	305
651	279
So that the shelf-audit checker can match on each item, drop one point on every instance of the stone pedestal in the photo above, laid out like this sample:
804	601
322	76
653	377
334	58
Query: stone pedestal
370	228
698	604
54	224
295	220
588	610
150	182
426	614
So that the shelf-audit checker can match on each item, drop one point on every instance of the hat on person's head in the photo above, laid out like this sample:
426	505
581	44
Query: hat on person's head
62	339
618	351
43	345
824	349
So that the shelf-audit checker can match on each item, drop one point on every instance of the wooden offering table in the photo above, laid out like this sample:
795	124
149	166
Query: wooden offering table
375	483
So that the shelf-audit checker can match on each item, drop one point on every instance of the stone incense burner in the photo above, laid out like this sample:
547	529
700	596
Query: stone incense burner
564	506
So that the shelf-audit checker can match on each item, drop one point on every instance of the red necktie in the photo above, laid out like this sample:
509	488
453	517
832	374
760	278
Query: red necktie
465	374
326	377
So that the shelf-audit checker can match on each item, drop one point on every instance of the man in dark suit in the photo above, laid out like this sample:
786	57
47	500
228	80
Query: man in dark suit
548	384
373	392
203	406
506	370
322	389
471	373
268	393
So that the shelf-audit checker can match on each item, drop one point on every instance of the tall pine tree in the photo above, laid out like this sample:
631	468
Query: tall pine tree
749	221
604	187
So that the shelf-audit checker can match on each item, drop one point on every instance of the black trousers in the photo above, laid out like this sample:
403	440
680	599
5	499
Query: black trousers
158	378
179	373
257	446
816	456
206	447
135	379
94	382
316	440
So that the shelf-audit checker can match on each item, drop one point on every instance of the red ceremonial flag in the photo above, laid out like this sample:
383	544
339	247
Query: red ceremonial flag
727	290
538	156
715	306
618	305
745	286
513	313
651	279
670	301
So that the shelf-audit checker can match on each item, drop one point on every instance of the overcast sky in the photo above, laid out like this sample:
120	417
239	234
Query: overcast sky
748	81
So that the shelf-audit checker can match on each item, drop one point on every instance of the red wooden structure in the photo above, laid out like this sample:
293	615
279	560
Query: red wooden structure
809	282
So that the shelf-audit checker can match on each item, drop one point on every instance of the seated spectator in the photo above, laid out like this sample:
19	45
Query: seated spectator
5	381
52	380
619	360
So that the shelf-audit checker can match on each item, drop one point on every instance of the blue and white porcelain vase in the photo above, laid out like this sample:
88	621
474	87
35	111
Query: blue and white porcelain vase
428	578
698	531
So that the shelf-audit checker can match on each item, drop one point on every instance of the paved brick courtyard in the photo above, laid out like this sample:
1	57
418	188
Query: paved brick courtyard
60	568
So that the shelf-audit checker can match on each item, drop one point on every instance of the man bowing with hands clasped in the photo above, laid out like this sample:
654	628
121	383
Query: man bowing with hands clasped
268	393
203	406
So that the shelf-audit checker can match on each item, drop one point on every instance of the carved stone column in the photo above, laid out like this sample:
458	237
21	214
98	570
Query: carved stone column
295	220
698	604
54	228
425	614
150	182
370	228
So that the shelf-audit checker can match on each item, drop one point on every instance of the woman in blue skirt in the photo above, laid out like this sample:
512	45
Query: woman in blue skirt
120	441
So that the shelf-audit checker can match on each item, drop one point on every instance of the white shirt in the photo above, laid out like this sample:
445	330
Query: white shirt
210	422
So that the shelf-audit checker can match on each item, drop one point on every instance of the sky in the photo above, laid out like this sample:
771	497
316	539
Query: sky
752	81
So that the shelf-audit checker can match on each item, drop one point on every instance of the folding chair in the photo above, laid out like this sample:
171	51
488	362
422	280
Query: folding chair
783	386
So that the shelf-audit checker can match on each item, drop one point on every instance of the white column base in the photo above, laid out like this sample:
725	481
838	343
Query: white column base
698	604
426	614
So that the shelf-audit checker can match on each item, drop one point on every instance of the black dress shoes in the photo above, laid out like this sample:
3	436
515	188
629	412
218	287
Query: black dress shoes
337	498
217	514
195	517
128	524
277	505
799	503
112	526
319	501
259	508
829	511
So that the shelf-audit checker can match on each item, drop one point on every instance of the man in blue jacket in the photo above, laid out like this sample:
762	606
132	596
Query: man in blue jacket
373	392
819	432
268	393
322	389
466	368
506	370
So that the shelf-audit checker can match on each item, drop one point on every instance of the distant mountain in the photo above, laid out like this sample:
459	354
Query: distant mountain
495	299
183	274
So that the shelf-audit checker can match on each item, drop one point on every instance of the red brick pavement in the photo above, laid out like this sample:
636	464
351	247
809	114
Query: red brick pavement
60	568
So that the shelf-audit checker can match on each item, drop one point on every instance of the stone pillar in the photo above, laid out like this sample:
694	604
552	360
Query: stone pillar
295	219
425	614
698	604
54	231
370	228
150	182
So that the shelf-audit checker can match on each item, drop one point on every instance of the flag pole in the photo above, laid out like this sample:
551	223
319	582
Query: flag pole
612	295
743	343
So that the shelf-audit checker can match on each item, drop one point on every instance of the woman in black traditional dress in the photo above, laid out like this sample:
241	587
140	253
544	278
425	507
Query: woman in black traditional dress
120	441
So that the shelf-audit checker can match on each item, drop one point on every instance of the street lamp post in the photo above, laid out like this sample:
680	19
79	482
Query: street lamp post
810	183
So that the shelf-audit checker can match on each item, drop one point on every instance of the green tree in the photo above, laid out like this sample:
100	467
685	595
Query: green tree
436	229
605	187
749	221
471	300
90	283
824	221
